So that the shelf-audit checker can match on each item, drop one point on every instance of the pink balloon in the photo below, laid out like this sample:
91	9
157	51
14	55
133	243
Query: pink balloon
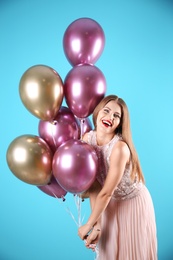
53	189
65	127
84	87
75	166
83	41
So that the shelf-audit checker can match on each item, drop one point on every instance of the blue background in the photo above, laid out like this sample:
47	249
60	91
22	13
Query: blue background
137	62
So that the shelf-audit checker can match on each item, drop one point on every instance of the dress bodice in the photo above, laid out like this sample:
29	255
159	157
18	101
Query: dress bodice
126	187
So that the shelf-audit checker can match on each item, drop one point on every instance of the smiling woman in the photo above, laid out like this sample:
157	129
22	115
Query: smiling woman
137	63
110	115
122	209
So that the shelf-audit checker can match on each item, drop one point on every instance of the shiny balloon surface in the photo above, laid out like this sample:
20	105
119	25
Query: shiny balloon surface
53	189
41	91
83	41
64	127
75	166
84	87
30	159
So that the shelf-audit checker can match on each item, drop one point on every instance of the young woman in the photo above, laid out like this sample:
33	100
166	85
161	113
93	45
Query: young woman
122	220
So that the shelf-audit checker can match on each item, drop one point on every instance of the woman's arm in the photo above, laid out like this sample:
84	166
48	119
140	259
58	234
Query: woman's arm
93	192
95	234
119	157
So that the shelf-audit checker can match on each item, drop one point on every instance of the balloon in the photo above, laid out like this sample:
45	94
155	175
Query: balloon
53	189
65	127
30	159
75	166
41	91
84	88
85	125
83	41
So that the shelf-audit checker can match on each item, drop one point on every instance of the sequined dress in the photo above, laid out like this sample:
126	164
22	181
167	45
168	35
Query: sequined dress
128	223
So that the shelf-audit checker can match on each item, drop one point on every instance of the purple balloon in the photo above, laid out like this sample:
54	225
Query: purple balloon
53	189
83	41
84	88
75	166
65	127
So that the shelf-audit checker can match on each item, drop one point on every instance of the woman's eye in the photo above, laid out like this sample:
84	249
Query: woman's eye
106	110
115	115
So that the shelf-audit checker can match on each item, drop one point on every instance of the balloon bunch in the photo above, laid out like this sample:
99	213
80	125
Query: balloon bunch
85	84
58	161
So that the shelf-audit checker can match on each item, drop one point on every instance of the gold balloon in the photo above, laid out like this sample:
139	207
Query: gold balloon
30	159
41	91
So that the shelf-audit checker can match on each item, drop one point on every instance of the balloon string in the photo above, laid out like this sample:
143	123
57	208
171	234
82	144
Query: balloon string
78	222
78	205
78	200
52	132
96	253
82	121
70	213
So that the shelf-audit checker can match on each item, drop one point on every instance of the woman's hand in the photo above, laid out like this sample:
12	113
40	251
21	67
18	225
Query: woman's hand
84	230
93	238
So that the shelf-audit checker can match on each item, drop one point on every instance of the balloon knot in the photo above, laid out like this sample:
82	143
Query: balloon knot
54	122
62	197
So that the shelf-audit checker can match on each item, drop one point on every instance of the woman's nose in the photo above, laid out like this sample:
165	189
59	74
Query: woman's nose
112	116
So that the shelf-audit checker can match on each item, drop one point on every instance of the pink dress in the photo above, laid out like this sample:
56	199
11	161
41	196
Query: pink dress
128	223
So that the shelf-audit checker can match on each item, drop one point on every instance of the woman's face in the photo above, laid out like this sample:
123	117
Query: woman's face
109	117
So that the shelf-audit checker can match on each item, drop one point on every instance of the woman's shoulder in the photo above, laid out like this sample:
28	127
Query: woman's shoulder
87	136
121	148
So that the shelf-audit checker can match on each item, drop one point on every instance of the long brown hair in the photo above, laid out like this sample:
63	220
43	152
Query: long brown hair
124	130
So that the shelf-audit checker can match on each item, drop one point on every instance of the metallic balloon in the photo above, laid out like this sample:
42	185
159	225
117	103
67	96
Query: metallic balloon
84	88
53	189
75	166
30	159
64	127
41	91
83	41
